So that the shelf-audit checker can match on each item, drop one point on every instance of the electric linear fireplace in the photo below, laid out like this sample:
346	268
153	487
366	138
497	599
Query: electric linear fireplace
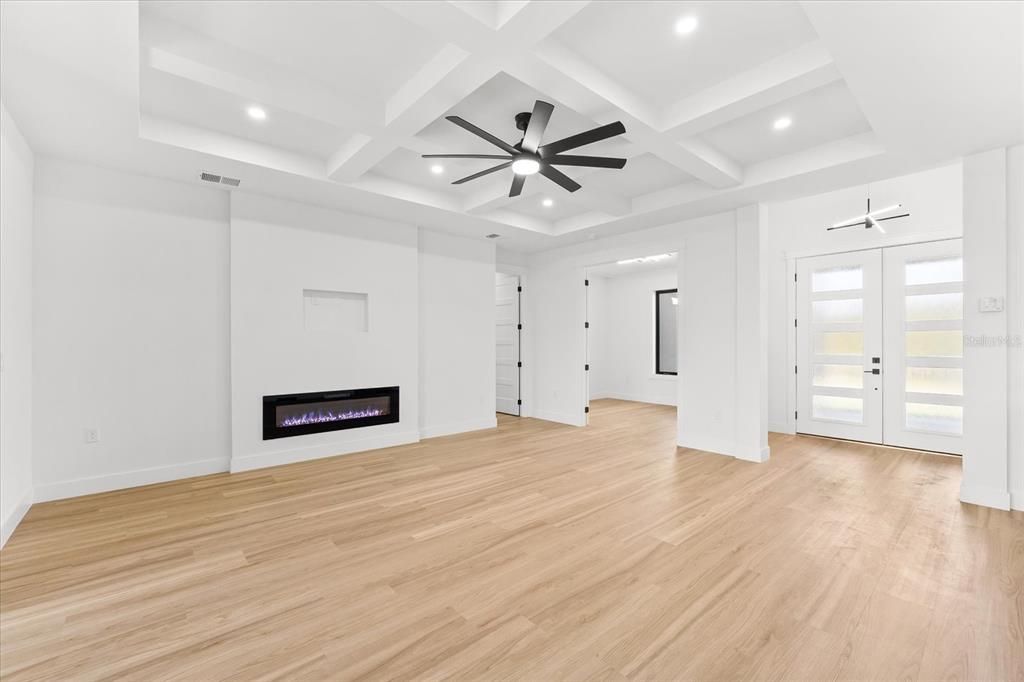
297	414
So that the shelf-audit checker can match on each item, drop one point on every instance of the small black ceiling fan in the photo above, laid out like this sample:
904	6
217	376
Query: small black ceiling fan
528	156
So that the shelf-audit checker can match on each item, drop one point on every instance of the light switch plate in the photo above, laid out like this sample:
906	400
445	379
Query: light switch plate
990	304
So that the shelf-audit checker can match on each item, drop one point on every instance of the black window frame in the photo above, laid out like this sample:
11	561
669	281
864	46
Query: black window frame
657	331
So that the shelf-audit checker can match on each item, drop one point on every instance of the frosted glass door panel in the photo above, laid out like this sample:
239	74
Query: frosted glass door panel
839	314
924	382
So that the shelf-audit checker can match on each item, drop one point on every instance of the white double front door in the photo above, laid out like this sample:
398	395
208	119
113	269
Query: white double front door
880	346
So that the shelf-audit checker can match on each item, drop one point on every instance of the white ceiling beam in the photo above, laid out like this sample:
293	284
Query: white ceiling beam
794	73
555	68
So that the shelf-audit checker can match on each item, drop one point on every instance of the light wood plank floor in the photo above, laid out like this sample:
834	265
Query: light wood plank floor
534	551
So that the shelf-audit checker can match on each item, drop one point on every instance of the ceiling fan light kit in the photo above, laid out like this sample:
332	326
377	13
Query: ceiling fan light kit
528	156
870	218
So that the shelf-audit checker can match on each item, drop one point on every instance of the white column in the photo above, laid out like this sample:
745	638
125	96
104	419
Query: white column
751	350
985	461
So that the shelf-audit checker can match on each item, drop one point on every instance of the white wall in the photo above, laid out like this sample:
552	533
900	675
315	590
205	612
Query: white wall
622	337
280	248
793	229
708	381
130	330
16	170
457	334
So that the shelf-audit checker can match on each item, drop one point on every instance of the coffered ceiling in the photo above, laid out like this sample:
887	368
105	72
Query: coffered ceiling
354	93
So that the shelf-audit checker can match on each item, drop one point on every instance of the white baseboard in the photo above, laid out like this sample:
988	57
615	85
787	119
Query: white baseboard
634	398
1017	499
60	490
8	525
985	497
293	455
781	427
561	418
726	449
449	429
758	456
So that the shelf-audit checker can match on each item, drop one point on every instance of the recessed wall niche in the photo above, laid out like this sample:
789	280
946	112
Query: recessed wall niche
334	311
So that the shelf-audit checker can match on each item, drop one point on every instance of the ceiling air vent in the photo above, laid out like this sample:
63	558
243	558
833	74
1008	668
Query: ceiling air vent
220	179
493	235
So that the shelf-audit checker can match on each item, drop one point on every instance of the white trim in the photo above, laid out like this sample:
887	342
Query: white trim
452	428
293	455
781	428
714	446
903	240
15	517
76	487
614	395
759	457
985	497
1017	499
561	418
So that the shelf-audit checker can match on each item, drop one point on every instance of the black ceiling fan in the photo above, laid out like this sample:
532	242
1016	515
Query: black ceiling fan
529	156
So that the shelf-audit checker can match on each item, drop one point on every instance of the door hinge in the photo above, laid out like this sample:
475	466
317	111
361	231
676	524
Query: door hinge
796	415
586	325
519	289
519	364
586	282
794	276
586	410
794	323
586	368
519	402
796	370
519	327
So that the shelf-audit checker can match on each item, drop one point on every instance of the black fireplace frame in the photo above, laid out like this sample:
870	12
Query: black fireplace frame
271	430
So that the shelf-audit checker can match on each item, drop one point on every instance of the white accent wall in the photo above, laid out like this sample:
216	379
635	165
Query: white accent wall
621	312
278	250
131	330
16	171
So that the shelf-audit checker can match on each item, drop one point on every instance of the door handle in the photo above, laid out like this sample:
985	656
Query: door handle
873	371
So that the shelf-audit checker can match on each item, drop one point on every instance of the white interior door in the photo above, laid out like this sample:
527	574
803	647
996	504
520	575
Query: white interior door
506	300
924	312
839	346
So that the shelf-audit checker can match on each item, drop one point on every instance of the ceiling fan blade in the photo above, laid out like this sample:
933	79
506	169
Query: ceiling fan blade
588	161
902	215
480	132
843	227
581	139
559	177
517	185
538	124
465	156
482	173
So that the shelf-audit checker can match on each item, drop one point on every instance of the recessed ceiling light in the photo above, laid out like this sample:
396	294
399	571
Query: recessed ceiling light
548	203
525	166
256	113
686	25
782	123
437	169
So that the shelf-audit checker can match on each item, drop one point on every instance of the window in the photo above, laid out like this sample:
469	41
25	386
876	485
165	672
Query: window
666	303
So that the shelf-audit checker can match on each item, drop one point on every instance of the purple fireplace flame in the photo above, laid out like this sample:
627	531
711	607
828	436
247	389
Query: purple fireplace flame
325	416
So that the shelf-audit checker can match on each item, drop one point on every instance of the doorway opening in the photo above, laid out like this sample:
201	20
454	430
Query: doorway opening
631	330
879	340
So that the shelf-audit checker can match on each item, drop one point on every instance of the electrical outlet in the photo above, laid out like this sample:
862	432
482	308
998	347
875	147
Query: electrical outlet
92	435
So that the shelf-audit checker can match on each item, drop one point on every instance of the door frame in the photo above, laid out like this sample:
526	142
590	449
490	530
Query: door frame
791	257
